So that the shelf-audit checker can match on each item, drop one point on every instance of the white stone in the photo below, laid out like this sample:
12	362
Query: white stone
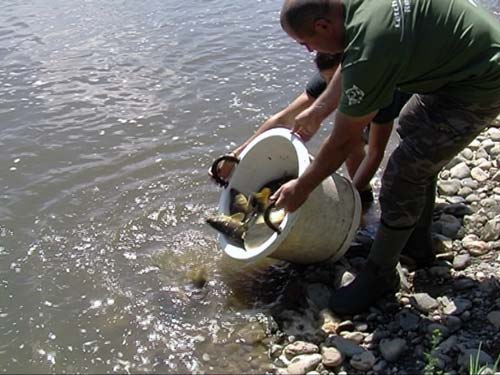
479	175
304	363
460	171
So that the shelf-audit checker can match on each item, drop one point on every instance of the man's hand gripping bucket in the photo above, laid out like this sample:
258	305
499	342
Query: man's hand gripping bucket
321	229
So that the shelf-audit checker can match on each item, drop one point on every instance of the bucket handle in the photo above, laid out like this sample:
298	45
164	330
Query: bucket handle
267	219
215	167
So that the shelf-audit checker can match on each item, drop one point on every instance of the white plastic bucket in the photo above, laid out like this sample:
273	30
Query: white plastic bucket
321	229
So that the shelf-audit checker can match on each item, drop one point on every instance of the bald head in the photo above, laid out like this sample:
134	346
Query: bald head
299	16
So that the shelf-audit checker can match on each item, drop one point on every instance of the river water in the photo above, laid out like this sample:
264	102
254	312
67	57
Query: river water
110	115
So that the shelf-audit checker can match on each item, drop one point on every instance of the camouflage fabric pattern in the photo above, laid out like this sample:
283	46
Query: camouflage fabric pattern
433	129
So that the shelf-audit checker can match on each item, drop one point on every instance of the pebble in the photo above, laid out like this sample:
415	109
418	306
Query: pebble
423	302
479	175
482	357
300	347
392	349
346	347
304	363
494	318
331	357
363	361
461	261
456	306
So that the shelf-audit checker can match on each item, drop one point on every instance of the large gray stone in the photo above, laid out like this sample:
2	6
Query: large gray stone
424	302
363	361
345	346
494	318
392	349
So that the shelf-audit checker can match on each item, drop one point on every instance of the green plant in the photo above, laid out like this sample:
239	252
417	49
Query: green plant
474	368
430	357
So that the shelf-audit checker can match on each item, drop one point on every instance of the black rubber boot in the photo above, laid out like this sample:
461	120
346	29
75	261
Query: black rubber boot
372	283
419	247
379	276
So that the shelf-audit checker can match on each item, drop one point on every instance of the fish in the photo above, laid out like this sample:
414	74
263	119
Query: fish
245	212
260	201
230	225
198	276
239	202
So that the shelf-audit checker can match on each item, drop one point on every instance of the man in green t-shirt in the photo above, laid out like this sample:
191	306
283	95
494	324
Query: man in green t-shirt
446	53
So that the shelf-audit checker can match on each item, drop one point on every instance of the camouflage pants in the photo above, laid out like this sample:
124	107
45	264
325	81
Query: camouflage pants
433	129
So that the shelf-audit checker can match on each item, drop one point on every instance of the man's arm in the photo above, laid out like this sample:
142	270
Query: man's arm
332	154
285	117
327	102
377	142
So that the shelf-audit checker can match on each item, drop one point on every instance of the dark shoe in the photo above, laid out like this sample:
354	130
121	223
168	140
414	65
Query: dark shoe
419	248
372	283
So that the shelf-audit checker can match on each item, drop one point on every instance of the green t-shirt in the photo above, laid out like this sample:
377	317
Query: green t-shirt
418	46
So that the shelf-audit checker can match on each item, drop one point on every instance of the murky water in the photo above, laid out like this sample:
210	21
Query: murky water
110	114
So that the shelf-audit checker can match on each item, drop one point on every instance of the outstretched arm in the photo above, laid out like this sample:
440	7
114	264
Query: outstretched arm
284	118
377	142
322	107
332	154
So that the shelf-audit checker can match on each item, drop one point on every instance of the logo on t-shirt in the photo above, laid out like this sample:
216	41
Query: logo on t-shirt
355	95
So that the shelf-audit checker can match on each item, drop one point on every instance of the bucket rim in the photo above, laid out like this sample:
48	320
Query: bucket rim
275	239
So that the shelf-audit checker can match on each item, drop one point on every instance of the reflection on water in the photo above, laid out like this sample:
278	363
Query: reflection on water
111	113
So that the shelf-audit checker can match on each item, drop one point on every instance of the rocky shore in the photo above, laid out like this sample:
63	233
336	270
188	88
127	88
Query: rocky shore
443	315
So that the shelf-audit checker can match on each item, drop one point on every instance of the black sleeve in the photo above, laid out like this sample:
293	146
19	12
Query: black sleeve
315	86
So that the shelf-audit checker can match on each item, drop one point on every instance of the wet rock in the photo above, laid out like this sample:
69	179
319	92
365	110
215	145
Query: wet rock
346	347
408	321
252	334
447	345
331	357
392	349
494	318
300	347
363	361
379	366
303	363
356	337
450	225
461	261
482	357
424	302
464	284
